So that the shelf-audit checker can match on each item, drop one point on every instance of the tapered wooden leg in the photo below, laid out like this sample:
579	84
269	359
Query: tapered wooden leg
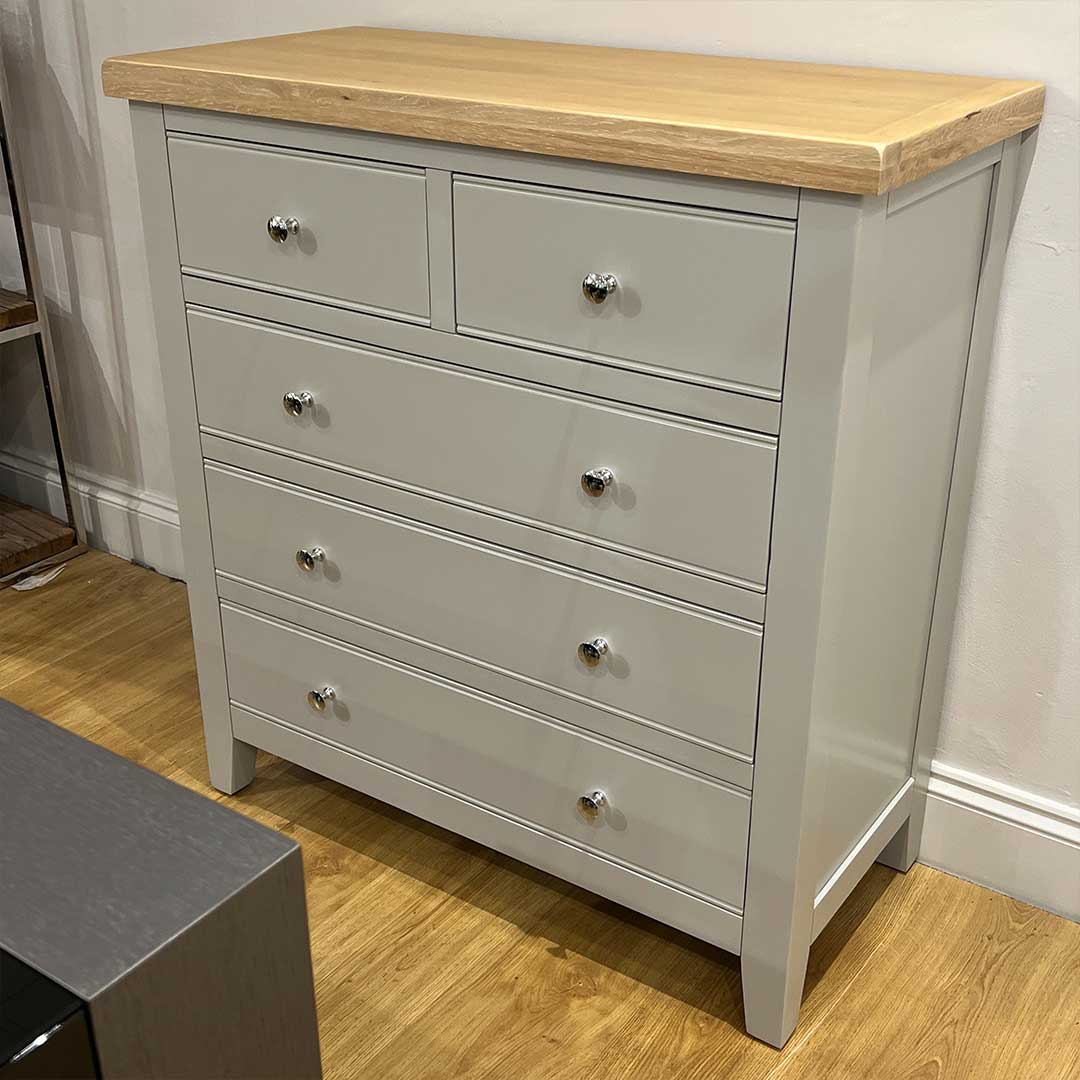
834	292
902	850
772	996
232	763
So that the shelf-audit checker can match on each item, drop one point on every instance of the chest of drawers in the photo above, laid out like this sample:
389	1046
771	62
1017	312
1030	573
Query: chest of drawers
590	481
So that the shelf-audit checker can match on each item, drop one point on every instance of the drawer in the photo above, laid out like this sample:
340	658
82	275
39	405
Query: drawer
698	293
661	820
362	235
695	495
667	665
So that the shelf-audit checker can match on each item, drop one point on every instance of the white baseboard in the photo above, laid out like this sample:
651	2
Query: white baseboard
117	516
1008	839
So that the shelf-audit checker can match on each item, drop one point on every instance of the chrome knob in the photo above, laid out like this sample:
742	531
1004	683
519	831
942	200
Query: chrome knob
296	401
596	481
306	558
598	287
592	805
319	699
281	228
590	653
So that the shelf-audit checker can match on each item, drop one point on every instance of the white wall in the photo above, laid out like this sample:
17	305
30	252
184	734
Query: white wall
1009	784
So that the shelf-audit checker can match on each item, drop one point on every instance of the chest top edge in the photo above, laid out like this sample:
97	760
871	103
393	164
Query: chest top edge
844	129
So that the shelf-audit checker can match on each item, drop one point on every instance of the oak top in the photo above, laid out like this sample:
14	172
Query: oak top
860	130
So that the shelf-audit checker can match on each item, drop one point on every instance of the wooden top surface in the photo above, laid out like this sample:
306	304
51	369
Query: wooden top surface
860	130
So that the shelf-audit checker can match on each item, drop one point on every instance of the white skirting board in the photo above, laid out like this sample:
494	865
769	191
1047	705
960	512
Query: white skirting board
1014	842
119	518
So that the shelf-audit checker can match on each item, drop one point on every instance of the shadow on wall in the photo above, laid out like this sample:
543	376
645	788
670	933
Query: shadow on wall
62	161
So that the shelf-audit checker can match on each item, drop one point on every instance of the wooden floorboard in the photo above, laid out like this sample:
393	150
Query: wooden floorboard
437	958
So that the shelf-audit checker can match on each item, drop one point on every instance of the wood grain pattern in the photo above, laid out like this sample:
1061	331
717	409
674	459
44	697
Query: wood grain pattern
27	536
16	309
859	130
435	957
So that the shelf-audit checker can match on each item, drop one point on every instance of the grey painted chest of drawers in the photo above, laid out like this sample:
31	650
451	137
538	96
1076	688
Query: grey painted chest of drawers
611	517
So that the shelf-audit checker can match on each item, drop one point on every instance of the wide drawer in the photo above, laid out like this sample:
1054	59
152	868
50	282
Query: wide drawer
669	823
692	494
667	665
361	234
697	293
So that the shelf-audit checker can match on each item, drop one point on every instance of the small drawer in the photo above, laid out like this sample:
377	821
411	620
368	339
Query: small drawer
690	494
694	293
668	823
661	663
360	234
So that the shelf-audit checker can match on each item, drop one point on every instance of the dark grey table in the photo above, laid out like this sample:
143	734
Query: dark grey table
179	923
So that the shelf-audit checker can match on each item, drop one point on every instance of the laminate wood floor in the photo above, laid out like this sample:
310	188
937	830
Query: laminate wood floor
437	958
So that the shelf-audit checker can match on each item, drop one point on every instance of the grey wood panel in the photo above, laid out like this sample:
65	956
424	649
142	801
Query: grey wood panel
699	294
658	820
233	996
696	915
744	196
908	424
668	665
1007	184
232	763
440	233
154	905
689	494
598	562
546	369
841	243
102	860
363	226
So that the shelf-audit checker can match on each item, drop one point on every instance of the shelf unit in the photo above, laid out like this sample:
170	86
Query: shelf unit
30	539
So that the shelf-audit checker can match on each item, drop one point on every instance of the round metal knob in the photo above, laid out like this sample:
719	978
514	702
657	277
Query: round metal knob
319	699
590	653
598	287
296	401
596	481
306	558
281	228
592	805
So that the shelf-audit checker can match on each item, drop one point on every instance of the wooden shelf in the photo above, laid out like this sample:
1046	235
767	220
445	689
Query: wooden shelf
16	309
27	536
30	540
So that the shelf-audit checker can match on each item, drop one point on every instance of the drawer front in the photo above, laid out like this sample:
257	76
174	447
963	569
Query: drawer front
676	669
697	293
693	495
362	236
666	822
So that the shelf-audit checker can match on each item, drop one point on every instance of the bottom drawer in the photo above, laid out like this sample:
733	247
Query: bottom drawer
659	820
